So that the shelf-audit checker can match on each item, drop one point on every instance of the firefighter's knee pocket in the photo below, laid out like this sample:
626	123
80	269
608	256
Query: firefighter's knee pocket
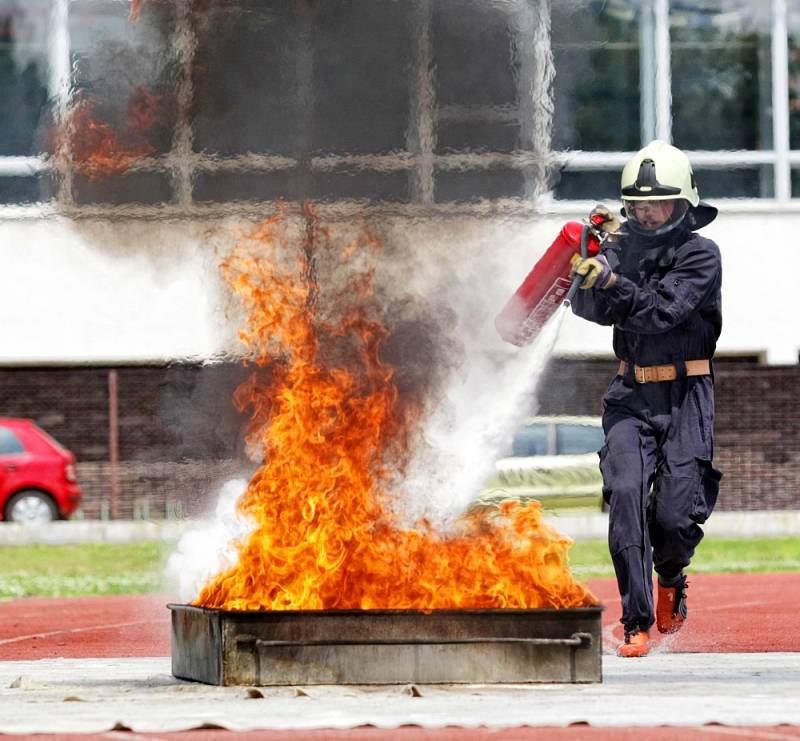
706	492
681	500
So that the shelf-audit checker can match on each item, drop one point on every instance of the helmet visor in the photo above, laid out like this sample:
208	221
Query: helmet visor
655	216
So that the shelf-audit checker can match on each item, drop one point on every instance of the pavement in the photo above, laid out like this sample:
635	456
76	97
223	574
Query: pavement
140	695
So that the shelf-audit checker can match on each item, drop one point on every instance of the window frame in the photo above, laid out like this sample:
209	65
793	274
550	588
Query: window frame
656	116
420	160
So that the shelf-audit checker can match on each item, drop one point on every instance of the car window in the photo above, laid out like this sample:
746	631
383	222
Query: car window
530	440
9	442
577	439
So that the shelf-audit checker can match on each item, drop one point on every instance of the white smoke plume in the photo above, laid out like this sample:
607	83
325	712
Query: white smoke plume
209	545
479	388
469	430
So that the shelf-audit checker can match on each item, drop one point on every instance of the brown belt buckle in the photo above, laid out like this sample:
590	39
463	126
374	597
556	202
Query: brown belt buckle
640	374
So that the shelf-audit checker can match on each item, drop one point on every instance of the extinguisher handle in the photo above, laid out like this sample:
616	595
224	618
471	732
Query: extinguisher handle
578	279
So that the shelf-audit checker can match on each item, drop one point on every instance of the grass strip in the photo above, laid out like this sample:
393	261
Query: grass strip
82	570
138	568
590	558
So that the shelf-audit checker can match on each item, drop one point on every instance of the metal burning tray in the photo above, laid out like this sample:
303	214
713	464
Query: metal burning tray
386	646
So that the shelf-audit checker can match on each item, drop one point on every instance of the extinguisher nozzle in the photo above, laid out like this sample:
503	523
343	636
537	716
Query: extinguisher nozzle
573	289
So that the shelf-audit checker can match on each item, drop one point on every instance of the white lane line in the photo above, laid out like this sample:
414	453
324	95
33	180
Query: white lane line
48	634
735	605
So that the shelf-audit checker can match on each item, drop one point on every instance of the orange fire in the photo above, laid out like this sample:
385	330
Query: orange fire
98	150
335	432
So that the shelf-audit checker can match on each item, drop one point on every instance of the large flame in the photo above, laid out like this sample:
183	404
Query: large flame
335	432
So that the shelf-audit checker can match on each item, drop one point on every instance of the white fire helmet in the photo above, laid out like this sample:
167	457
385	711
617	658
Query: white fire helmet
661	172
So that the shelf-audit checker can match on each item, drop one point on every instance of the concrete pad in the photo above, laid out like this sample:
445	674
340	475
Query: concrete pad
97	695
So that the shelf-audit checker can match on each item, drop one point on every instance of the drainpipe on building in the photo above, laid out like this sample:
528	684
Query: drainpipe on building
113	442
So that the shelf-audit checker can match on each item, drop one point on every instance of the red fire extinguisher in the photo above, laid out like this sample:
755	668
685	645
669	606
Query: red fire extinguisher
547	286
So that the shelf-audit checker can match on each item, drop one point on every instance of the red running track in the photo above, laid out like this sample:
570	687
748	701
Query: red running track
578	732
727	613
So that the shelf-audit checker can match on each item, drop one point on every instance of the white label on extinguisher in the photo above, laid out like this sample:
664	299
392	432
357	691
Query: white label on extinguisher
544	309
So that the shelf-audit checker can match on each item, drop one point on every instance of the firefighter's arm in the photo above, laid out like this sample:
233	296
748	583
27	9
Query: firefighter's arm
653	310
591	305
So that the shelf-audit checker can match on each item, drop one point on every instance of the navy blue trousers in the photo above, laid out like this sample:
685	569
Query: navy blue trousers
658	481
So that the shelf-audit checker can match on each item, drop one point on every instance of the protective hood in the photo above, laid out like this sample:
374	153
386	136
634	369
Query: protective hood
701	215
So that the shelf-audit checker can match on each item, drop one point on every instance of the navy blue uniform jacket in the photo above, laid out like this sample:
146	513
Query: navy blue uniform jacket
666	305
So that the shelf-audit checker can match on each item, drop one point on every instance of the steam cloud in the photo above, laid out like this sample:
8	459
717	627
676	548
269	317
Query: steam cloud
209	546
445	347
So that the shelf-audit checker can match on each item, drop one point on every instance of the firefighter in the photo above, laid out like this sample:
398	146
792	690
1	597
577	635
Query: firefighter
658	283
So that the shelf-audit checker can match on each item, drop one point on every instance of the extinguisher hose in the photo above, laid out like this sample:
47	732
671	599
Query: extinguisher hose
578	279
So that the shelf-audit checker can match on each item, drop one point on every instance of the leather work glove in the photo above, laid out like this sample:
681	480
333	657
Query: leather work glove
603	220
596	272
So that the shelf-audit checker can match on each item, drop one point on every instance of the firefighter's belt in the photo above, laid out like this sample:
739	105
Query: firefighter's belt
656	373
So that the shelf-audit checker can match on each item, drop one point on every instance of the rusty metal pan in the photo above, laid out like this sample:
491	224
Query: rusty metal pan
386	646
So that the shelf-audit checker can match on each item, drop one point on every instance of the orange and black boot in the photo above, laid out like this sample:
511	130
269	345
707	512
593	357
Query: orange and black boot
671	607
637	643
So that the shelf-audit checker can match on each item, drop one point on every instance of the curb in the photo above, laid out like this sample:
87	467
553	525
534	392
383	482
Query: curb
757	524
74	532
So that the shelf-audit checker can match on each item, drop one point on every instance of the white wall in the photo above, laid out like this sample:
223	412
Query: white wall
105	291
97	291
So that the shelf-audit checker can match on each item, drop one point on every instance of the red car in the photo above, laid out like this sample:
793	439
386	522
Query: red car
37	475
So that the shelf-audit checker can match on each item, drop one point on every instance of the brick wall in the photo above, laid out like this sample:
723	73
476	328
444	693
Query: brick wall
180	435
165	412
155	490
